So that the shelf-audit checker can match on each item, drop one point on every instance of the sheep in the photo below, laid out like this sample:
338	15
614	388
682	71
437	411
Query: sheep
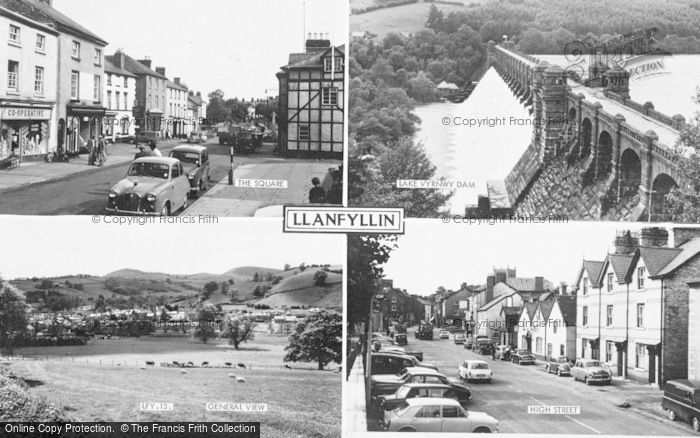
287	366
240	379
228	364
143	368
183	372
205	364
150	363
241	365
190	364
233	376
176	363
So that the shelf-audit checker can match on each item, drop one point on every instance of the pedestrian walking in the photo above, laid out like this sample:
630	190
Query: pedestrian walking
154	151
101	150
92	151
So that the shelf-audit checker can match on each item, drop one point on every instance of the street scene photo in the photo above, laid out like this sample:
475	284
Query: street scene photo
586	329
152	109
568	109
239	324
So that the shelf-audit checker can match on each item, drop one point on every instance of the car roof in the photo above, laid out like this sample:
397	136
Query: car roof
158	160
391	353
476	361
691	385
421	370
189	148
428	401
427	385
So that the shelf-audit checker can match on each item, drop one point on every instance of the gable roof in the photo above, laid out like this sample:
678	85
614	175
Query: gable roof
622	266
527	284
529	309
567	307
197	100
110	67
135	67
655	259
497	299
43	12
511	310
688	250
171	84
546	308
308	60
593	269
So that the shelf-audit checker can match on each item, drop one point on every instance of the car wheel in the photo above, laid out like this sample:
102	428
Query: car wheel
165	211
696	424
184	203
482	430
671	415
407	429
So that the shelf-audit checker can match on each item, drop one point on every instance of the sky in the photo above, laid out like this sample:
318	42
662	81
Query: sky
60	245
431	254
235	45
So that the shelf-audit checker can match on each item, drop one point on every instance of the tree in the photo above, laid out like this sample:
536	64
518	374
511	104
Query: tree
13	317
302	267
319	338
435	19
422	89
287	267
223	287
216	110
683	202
320	278
205	323
240	331
209	288
256	277
366	255
100	304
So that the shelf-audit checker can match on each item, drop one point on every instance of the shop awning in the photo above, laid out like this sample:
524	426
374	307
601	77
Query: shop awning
86	110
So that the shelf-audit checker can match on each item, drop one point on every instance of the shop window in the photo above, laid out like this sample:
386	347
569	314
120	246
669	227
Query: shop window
13	75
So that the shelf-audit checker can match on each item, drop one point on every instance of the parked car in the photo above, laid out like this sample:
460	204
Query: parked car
459	338
152	186
389	383
401	339
502	352
444	334
559	366
142	138
388	402
591	371
394	362
475	370
522	357
468	342
197	137
424	331
436	415
484	346
195	161
682	401
377	336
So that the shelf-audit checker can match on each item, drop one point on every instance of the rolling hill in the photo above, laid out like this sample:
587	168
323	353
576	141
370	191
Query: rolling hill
406	18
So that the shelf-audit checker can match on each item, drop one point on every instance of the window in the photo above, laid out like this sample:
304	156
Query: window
640	314
40	42
126	83
549	349
393	307
584	347
75	85
38	80
76	50
562	350
149	101
12	75
555	324
338	64
97	88
608	351
98	57
641	272
109	100
304	132
14	34
538	345
584	316
609	315
585	286
610	281
640	356
452	412
109	79
393	299
329	96
126	99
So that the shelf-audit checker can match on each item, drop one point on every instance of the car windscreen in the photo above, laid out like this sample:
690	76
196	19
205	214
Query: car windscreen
403	391
523	352
480	366
593	363
153	170
185	157
401	409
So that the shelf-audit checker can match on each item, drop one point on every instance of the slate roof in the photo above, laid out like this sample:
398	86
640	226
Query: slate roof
567	306
511	310
135	67
307	60
42	12
688	250
110	67
197	100
527	284
593	269
655	259
530	308
171	84
546	308
622	265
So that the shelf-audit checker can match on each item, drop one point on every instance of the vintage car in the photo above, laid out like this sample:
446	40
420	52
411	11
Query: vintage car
475	370
195	162
389	402
444	334
152	186
436	415
197	137
591	371
389	383
523	357
502	352
149	138
468	342
401	339
459	338
386	362
682	401
483	346
559	366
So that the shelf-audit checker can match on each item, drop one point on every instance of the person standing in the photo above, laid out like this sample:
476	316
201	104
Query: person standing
317	195
101	150
155	151
92	151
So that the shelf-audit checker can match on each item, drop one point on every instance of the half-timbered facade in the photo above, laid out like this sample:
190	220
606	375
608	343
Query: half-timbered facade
311	100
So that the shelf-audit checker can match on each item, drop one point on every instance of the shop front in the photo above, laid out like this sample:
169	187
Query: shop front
84	124
24	131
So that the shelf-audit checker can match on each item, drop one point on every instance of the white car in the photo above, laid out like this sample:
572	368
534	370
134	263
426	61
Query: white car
444	334
425	414
475	370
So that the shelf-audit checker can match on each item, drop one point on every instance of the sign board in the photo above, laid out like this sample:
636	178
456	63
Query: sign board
14	113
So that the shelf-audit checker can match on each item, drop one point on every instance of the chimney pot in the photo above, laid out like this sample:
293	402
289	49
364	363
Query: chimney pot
539	284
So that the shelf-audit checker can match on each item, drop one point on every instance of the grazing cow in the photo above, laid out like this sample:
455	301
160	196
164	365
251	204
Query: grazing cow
240	379
176	363
233	376
150	363
190	364
241	365
288	367
143	368
183	372
228	364
205	364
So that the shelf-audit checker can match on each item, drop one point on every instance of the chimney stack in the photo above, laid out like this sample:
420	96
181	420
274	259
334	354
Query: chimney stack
146	62
160	70
199	93
490	283
626	243
563	288
539	284
176	80
120	57
654	236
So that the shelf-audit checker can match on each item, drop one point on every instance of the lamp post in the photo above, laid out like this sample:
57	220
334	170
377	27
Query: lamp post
230	170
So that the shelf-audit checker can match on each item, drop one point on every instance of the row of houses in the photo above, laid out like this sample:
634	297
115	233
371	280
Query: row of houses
59	88
637	309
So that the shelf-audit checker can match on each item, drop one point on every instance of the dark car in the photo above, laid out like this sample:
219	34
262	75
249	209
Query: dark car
394	362
388	402
522	357
401	339
148	138
389	383
484	346
561	366
682	401
195	161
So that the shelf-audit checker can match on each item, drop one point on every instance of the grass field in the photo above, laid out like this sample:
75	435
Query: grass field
90	391
407	18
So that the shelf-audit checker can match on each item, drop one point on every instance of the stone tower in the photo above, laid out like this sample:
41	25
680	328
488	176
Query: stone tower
618	81
553	96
